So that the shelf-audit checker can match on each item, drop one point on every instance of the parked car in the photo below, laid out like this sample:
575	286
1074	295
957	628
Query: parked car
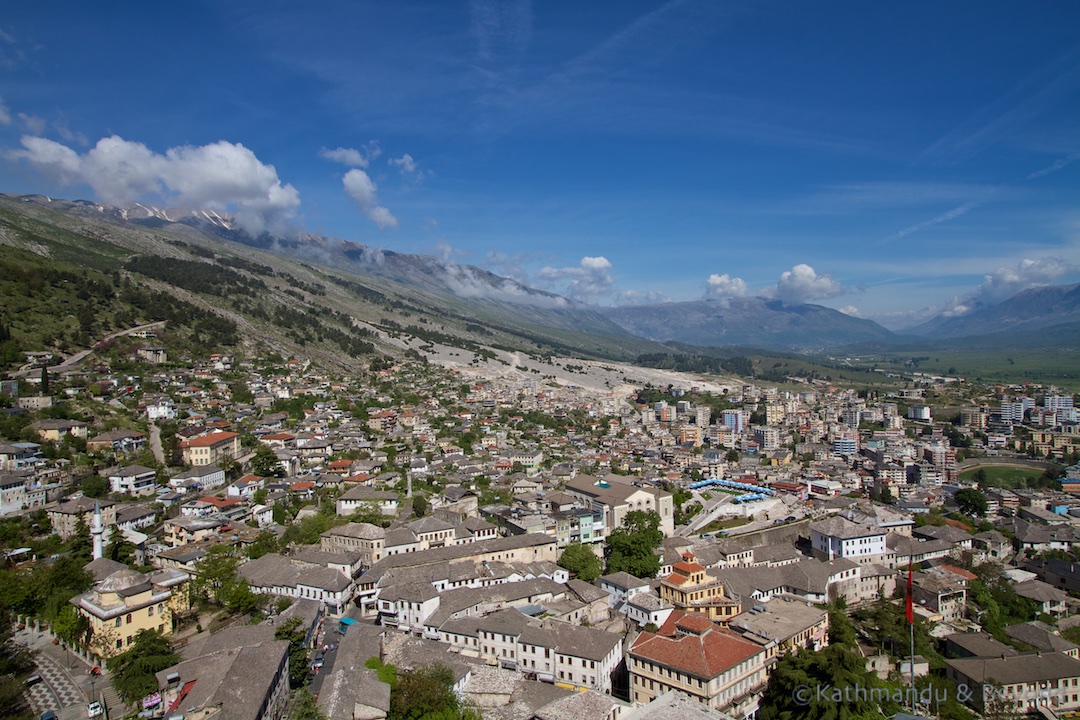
33	680
318	662
95	710
48	715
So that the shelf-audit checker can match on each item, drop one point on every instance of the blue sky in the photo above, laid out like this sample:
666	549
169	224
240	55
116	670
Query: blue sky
891	159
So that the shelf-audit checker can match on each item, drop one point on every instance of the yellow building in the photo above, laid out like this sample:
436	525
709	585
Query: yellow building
127	602
690	587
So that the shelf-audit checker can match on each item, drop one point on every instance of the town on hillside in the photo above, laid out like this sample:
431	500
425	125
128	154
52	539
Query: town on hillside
227	538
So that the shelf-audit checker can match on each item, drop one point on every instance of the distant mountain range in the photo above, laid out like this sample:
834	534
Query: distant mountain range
747	321
487	308
1026	312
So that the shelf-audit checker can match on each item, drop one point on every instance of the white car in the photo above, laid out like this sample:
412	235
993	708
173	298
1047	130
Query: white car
94	710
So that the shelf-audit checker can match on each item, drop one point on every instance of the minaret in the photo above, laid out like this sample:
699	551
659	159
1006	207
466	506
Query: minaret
97	531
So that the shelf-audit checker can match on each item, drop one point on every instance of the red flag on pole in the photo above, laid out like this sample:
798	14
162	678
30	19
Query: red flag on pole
910	609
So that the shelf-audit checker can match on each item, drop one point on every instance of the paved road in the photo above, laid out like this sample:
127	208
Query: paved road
66	687
72	361
155	443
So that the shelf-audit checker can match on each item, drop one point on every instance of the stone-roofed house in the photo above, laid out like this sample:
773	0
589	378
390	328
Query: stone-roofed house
616	498
239	683
432	532
1028	682
361	498
134	480
976	644
367	539
65	516
588	705
273	574
692	655
621	586
352	691
1042	637
838	537
784	624
675	706
1051	600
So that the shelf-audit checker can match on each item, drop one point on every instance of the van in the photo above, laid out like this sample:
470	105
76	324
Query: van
33	680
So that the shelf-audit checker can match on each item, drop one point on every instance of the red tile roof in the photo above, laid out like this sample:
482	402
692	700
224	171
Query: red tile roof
702	650
209	440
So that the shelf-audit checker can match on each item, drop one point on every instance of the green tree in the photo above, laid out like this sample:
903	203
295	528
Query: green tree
419	505
631	547
971	502
217	573
581	561
95	486
133	670
427	694
304	707
792	690
16	662
293	631
265	462
265	543
71	626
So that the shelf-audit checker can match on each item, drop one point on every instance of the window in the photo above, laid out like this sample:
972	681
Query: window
150	611
119	621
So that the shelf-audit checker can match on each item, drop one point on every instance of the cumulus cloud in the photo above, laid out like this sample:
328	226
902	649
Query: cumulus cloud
405	163
724	286
802	284
851	310
345	156
221	176
592	277
361	188
1003	283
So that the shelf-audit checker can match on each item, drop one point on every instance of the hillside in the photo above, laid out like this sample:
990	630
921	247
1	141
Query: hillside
74	271
1023	315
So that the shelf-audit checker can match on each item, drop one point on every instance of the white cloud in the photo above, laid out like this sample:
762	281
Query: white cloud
464	282
345	156
639	297
851	310
405	163
221	176
801	284
724	286
1004	282
32	123
5	114
361	189
592	277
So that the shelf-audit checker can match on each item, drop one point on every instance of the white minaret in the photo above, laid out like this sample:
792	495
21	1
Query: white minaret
97	531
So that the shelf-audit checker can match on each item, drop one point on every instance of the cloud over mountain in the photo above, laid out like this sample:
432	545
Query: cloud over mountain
802	284
1003	283
591	278
724	286
221	176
